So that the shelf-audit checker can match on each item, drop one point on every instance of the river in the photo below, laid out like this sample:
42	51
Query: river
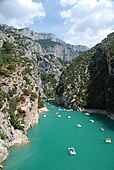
50	139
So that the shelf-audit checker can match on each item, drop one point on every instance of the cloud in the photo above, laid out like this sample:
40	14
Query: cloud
90	20
20	13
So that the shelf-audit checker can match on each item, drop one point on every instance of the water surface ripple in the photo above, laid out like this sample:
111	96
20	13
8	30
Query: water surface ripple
50	139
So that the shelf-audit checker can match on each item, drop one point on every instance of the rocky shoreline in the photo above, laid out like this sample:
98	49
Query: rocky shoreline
92	111
43	109
60	100
103	112
20	138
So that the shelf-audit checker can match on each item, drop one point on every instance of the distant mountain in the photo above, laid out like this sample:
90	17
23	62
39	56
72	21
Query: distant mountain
88	82
44	43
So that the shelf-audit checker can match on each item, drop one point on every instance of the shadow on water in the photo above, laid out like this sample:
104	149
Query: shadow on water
53	102
98	70
108	123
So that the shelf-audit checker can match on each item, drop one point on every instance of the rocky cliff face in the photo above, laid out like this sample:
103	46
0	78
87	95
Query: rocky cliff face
52	54
88	82
41	42
30	63
18	98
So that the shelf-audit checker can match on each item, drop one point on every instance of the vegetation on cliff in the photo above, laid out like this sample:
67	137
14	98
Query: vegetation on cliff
49	83
15	85
89	80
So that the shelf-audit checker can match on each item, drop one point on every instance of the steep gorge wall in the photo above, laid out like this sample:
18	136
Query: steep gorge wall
89	80
18	98
52	53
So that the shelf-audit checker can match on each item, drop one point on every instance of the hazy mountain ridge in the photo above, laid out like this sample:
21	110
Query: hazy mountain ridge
47	43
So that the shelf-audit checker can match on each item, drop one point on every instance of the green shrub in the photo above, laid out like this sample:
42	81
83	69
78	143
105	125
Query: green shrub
40	103
16	123
1	61
26	71
11	67
4	110
2	96
22	98
12	107
7	55
48	78
20	112
3	135
33	96
7	47
7	58
1	104
26	92
48	93
4	72
12	92
13	103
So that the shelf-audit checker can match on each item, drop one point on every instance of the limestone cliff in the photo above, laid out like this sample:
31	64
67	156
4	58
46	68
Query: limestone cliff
44	43
51	52
30	64
18	98
88	82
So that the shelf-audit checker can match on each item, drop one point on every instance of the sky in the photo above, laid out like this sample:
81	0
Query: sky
84	22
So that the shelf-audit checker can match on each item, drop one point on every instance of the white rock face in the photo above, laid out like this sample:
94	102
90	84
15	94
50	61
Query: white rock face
44	43
20	138
8	135
3	151
1	43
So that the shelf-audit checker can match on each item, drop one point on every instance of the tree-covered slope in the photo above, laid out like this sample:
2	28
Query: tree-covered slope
18	97
41	47
88	81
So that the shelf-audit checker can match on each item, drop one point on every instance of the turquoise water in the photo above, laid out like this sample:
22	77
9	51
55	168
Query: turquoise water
50	139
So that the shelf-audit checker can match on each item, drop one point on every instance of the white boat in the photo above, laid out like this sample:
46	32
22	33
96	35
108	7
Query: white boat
102	129
72	151
44	116
92	121
87	114
108	140
1	166
78	125
59	115
69	117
